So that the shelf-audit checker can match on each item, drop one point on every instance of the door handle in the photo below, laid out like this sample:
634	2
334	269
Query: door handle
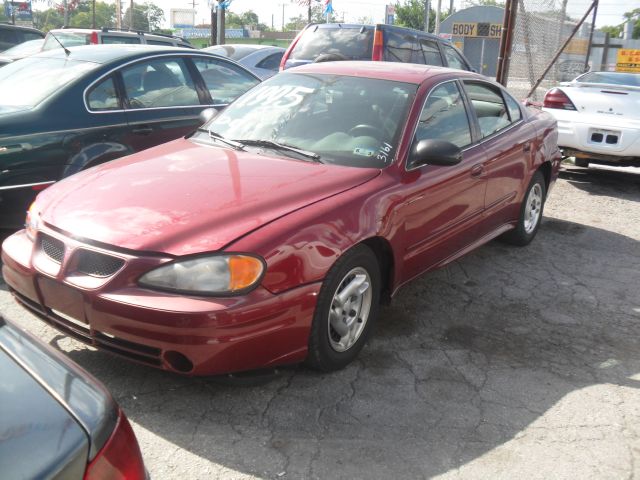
477	170
143	130
526	147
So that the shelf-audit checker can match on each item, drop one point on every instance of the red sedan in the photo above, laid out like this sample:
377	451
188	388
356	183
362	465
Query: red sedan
271	235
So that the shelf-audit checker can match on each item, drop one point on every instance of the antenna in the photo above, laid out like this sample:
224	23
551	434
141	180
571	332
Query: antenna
66	50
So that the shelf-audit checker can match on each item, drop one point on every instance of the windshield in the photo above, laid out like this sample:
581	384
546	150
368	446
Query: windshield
350	121
29	81
611	78
352	43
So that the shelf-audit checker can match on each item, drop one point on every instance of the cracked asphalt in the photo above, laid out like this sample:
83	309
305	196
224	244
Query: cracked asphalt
509	363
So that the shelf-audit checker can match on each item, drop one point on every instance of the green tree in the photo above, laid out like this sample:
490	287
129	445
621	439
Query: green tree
147	16
48	19
105	16
299	22
615	31
411	14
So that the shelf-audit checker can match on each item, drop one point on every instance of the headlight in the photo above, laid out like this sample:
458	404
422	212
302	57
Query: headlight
208	275
32	221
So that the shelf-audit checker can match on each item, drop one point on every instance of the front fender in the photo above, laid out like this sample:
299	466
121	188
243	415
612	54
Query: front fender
301	247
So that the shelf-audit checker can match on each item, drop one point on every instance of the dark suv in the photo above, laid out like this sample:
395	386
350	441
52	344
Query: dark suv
335	41
11	35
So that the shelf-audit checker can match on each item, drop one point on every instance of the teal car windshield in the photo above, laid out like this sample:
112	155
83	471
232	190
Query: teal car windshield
29	81
352	121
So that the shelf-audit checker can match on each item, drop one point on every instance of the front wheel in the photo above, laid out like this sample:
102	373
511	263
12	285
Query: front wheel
347	307
530	213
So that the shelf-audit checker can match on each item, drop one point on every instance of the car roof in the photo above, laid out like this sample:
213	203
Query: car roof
399	72
20	27
109	53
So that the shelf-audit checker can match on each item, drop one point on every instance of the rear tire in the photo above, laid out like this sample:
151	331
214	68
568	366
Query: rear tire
347	308
530	213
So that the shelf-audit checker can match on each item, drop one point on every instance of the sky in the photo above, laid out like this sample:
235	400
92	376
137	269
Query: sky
609	11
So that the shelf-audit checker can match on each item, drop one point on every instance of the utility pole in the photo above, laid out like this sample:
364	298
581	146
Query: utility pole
283	17
427	7
93	14
118	15
214	26
65	5
221	12
437	31
131	15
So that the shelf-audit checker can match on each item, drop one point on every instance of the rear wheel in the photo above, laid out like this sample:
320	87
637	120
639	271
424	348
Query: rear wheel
347	307
530	213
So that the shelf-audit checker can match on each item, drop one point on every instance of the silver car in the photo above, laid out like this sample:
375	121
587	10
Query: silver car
262	60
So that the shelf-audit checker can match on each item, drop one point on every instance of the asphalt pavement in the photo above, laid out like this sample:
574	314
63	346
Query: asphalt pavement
509	363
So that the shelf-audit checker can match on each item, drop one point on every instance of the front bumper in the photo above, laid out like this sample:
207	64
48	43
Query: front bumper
189	335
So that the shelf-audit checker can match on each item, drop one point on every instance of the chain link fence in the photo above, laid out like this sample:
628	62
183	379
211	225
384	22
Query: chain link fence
541	28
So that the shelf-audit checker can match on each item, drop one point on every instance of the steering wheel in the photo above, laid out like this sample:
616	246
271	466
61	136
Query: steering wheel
365	129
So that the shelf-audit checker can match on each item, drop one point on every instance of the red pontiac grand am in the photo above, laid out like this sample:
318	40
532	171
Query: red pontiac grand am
271	235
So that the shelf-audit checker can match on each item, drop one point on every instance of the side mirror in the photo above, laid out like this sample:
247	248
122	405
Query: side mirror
434	152
207	114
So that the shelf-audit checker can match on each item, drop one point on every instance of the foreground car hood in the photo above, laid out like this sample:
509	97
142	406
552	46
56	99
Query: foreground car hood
183	197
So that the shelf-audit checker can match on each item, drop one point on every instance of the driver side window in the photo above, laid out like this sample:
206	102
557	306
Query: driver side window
444	117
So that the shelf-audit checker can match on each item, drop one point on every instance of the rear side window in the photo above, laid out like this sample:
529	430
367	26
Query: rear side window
159	83
489	107
115	39
431	52
103	96
444	117
352	43
272	62
514	108
398	47
225	81
26	36
7	39
454	60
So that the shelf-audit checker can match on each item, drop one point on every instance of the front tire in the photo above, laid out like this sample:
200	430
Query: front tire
347	308
530	213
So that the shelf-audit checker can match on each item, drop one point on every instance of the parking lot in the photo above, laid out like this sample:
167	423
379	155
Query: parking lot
510	363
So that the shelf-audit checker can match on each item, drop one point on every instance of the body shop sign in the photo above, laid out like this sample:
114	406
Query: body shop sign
490	30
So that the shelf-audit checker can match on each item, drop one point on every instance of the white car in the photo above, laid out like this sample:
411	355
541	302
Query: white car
598	117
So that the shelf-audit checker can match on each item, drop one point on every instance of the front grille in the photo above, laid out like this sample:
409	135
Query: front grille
52	247
98	264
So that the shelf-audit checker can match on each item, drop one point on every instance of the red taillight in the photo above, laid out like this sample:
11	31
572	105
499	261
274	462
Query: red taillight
290	48
120	458
378	44
556	98
93	38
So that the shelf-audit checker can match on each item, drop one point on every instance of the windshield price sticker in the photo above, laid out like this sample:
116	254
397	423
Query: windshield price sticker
275	96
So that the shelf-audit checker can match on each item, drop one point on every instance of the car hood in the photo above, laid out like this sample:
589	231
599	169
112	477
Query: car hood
184	197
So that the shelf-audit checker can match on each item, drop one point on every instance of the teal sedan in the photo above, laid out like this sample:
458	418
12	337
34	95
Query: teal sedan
66	110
